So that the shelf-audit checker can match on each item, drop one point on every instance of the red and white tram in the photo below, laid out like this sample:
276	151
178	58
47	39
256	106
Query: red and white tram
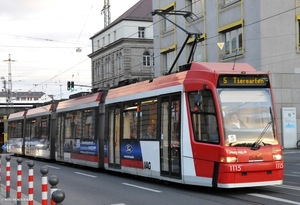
211	124
179	127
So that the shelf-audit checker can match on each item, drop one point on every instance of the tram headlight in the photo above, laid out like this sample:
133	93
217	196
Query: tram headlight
228	159
277	157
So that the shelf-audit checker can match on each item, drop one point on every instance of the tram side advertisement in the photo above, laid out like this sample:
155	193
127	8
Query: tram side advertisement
81	146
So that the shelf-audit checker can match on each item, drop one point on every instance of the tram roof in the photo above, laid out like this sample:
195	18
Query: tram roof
222	67
39	111
17	115
177	79
83	102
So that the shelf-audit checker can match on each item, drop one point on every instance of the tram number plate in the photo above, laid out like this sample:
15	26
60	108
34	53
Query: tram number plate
235	168
279	165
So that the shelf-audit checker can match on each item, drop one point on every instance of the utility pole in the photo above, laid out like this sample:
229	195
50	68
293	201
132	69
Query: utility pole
9	90
106	12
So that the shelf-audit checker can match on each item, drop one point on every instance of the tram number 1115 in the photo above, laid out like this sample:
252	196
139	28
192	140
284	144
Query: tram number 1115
235	168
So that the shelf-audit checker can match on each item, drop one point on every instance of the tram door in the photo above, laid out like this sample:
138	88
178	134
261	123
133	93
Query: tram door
114	138
170	136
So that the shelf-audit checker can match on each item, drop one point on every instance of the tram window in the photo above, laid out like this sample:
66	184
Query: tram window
78	122
130	119
67	125
89	123
148	119
15	129
203	114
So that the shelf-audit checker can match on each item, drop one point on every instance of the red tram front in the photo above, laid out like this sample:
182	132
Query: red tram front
180	128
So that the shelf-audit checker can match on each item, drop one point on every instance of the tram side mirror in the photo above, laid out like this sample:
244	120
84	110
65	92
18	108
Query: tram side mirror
198	101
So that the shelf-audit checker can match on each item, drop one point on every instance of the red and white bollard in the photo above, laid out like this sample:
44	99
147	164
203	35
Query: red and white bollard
30	182
19	181
7	176
53	181
44	171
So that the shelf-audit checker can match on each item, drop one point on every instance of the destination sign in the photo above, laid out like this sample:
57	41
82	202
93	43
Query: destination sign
243	80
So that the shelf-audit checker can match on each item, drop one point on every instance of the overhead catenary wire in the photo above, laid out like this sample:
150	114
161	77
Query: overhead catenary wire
138	65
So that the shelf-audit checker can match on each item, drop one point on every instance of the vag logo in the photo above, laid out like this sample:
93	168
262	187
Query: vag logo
128	148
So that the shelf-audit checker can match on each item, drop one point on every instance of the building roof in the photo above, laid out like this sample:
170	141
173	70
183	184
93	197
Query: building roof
23	94
141	11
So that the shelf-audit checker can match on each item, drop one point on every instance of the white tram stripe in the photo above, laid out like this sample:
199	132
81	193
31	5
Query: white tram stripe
88	175
140	187
274	198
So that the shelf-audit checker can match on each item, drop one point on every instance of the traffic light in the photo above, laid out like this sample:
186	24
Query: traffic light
68	85
72	85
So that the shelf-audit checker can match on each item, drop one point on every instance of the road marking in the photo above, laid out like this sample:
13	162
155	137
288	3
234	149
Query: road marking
288	187
88	175
52	167
274	198
140	187
292	175
291	152
296	172
118	204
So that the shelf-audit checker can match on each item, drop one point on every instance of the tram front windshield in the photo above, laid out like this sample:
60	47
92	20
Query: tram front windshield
248	117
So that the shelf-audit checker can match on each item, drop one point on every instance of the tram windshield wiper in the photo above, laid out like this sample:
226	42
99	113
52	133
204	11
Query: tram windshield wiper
256	144
241	144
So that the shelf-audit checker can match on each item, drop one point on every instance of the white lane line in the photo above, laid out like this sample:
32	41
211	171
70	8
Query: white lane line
87	175
52	167
274	198
292	175
290	152
140	187
288	187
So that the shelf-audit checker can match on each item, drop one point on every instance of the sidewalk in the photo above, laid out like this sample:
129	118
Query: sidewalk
12	200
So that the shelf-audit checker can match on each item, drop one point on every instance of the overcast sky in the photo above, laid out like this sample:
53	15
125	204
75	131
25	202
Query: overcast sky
42	36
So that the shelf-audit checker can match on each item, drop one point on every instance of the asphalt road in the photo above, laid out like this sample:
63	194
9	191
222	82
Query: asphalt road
92	187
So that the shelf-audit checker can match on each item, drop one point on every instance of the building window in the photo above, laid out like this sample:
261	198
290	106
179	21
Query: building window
167	25
298	33
198	53
107	67
146	58
141	32
168	59
152	59
119	61
195	6
226	3
233	41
